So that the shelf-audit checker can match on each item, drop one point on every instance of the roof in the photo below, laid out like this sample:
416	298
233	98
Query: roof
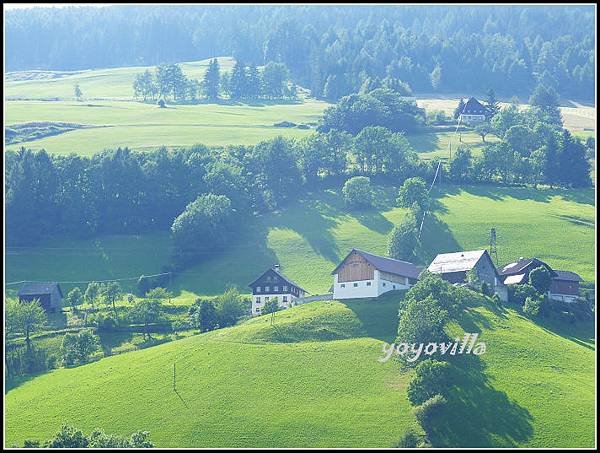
474	107
291	282
518	266
37	288
385	264
445	263
567	275
514	279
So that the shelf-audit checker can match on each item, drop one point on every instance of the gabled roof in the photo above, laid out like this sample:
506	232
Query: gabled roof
39	288
384	264
291	282
474	107
518	266
567	275
445	263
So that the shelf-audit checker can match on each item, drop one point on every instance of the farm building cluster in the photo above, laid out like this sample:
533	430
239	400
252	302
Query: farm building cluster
363	275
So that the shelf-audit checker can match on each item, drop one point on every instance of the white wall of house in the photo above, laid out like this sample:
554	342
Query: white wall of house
471	119
362	289
259	300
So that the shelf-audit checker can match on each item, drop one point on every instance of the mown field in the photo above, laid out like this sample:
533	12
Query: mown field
302	380
311	236
112	118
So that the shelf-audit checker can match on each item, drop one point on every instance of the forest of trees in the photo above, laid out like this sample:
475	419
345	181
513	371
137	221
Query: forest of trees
331	51
168	82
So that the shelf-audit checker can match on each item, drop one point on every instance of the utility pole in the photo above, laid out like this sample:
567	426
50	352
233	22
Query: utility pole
493	245
174	388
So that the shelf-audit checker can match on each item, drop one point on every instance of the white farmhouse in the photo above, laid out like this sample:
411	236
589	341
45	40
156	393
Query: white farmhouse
363	275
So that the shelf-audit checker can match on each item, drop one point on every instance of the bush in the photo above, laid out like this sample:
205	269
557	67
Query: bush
410	439
427	412
270	307
518	293
431	377
77	348
358	192
532	307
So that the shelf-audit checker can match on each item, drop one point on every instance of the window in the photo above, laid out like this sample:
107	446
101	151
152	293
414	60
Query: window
275	288
258	289
267	288
285	288
384	284
368	283
257	310
258	300
285	298
393	286
266	299
343	285
355	285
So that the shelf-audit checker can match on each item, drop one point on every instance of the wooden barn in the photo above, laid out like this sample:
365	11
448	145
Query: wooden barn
364	275
273	285
48	293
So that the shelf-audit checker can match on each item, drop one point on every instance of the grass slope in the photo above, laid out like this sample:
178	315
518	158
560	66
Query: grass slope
310	237
263	385
235	388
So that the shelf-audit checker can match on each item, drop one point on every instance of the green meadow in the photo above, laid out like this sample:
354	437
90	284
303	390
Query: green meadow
111	83
309	238
301	379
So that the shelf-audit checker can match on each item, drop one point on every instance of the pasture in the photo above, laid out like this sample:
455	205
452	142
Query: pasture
309	237
302	380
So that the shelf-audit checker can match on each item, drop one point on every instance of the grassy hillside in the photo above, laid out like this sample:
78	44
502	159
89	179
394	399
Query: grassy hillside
112	83
310	237
263	385
145	126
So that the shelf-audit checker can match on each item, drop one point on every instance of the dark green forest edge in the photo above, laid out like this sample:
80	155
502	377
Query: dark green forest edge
330	51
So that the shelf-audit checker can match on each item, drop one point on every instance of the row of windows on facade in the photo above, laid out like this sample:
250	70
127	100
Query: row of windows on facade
284	299
268	288
368	283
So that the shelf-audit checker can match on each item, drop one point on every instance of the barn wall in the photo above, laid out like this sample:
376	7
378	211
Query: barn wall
355	268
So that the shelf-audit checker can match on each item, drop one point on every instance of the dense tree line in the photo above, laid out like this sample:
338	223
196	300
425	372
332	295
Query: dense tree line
168	82
534	148
332	51
120	191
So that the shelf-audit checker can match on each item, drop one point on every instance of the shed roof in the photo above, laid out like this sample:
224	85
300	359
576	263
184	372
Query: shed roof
385	264
518	266
445	263
39	288
568	275
474	107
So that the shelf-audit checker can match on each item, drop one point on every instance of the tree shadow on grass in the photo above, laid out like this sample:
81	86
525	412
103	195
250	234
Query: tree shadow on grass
580	332
542	195
110	340
379	317
436	238
477	415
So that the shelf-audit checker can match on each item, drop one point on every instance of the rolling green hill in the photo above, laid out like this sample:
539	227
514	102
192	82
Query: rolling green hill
312	379
310	237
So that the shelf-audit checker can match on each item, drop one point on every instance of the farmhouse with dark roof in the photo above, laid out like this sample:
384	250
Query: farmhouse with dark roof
48	293
364	275
273	285
474	112
564	286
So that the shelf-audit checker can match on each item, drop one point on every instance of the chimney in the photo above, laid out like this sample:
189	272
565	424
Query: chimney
276	267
